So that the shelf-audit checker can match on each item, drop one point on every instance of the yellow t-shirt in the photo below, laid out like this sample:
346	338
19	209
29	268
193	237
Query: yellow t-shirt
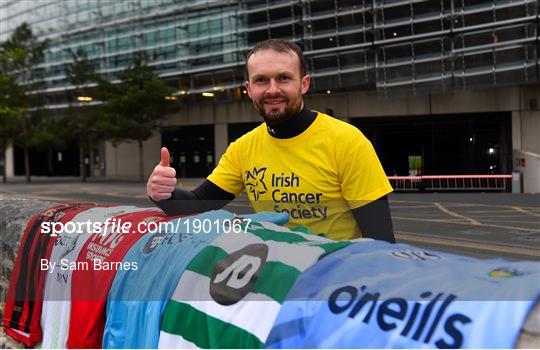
317	177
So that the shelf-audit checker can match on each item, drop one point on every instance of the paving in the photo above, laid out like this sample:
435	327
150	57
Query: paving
484	225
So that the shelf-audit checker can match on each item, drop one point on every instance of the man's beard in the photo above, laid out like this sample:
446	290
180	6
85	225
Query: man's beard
277	117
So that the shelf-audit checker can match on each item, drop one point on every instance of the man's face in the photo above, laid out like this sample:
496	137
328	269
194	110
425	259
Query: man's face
275	85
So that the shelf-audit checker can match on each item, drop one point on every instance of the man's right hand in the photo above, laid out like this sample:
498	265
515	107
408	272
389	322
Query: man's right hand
162	182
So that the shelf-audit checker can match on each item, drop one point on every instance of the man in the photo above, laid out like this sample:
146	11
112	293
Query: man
322	171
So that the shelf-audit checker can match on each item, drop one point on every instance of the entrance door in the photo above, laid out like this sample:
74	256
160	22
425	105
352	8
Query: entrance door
460	144
191	149
49	162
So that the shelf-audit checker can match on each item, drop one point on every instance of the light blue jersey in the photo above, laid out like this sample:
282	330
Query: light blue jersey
138	298
379	295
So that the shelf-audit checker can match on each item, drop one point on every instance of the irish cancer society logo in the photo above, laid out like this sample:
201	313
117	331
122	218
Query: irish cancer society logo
255	182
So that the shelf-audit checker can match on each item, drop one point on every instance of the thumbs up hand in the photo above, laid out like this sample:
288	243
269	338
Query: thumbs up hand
162	181
165	157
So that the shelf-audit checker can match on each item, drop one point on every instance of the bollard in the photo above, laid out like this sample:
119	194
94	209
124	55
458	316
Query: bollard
517	178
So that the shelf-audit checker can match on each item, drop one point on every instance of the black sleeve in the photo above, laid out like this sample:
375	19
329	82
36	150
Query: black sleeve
208	196
375	221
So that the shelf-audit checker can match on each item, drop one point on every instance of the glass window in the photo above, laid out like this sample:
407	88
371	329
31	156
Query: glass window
125	43
166	35
169	53
150	38
113	45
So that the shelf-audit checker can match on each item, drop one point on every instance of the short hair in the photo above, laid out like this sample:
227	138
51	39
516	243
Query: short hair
279	46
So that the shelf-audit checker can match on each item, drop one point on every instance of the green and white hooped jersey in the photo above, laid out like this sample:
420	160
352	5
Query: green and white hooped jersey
231	293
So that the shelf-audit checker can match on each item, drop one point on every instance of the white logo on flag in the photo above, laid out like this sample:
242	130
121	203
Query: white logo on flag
239	277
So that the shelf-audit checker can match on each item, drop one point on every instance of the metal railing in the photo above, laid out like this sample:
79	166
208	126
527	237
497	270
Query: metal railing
450	183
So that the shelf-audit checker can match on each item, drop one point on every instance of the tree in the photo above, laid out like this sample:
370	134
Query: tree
20	56
51	132
135	107
81	73
11	110
10	118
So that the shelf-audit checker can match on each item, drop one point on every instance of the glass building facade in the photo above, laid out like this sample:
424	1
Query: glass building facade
368	58
399	47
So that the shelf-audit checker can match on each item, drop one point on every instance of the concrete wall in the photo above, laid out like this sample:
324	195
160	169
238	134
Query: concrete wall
10	161
123	161
530	172
530	128
372	104
234	112
339	103
220	140
375	105
475	101
526	146
192	115
526	137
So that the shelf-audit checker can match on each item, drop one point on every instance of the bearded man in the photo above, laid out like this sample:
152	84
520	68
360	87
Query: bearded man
322	171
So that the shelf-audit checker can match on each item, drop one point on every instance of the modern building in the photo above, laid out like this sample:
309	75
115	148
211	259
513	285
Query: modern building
453	83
